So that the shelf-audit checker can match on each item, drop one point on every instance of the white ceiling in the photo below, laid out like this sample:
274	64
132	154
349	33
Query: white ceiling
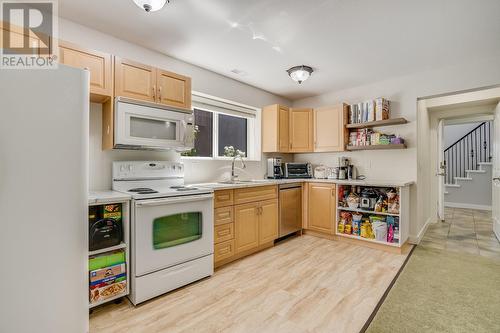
347	42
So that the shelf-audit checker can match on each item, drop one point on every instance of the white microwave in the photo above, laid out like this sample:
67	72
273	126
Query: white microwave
150	126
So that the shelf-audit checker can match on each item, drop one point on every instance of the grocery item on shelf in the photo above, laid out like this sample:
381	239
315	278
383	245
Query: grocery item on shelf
366	230
368	198
390	229
379	227
393	201
345	221
356	223
353	200
107	275
369	137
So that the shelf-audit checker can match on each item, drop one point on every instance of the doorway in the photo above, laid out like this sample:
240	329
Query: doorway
446	168
465	165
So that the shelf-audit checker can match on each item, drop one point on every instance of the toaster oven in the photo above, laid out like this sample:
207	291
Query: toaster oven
298	170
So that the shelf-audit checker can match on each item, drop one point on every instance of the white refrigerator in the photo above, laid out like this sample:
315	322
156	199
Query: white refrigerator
43	200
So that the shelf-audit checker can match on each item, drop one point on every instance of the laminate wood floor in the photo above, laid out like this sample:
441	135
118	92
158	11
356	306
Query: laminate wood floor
304	284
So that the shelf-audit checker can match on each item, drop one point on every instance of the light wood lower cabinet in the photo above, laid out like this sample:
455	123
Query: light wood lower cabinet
268	221
223	232
246	227
223	198
253	194
321	207
224	250
246	222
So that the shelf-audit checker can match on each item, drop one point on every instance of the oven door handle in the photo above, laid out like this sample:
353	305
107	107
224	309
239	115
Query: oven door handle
168	201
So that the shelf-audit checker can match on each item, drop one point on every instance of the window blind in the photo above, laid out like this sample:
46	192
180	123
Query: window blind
207	102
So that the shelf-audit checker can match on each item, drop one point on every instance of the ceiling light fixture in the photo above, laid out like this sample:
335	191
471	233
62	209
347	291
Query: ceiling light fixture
300	73
151	5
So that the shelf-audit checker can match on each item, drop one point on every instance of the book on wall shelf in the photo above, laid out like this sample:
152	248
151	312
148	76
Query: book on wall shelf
363	117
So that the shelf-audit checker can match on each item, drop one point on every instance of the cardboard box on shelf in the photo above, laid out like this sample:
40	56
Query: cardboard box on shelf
382	109
106	273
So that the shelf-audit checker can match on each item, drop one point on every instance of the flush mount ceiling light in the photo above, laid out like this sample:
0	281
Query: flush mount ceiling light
300	73
151	5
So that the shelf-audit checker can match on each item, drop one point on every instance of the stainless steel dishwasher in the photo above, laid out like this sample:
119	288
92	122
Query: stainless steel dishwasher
290	197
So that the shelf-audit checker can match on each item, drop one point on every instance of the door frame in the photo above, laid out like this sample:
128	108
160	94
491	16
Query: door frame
429	111
441	169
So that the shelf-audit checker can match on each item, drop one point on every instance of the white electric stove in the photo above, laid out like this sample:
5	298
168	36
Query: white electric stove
172	227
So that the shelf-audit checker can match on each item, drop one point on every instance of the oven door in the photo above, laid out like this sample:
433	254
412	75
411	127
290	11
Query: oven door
149	127
170	231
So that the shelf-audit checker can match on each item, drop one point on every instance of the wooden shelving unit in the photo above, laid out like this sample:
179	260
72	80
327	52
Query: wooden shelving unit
359	210
378	123
402	215
377	147
124	245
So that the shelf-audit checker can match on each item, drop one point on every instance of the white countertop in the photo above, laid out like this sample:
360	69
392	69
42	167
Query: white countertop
264	182
107	196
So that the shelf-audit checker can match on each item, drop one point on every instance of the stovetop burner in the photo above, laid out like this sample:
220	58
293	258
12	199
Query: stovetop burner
143	190
183	188
187	189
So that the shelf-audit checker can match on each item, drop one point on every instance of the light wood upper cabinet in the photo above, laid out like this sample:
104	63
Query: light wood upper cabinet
268	221
321	207
246	226
330	133
174	89
135	80
99	64
301	130
147	83
284	129
275	129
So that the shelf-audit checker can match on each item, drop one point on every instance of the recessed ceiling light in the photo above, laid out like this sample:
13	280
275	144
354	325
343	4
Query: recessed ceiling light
300	73
151	5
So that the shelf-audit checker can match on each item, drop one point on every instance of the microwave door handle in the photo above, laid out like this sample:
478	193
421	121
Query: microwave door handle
168	201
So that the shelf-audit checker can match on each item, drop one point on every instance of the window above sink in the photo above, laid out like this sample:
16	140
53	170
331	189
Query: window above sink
223	123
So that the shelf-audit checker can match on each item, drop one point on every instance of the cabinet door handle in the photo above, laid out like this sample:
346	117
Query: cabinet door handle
333	192
154	91
159	94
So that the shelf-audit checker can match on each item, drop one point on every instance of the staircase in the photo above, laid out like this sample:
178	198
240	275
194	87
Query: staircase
469	169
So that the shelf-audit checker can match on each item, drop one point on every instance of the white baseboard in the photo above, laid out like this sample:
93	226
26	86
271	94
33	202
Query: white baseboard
466	206
421	233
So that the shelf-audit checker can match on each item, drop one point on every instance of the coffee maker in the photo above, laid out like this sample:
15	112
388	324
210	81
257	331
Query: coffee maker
274	168
346	169
343	167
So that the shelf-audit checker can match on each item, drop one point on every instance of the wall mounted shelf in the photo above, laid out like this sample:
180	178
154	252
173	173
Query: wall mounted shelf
378	123
377	147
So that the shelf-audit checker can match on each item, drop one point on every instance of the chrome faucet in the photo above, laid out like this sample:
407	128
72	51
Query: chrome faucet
233	175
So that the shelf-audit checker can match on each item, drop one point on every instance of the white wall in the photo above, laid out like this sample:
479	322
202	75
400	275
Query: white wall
403	93
455	132
202	80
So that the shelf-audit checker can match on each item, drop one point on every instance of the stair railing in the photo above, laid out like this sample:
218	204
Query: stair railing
467	152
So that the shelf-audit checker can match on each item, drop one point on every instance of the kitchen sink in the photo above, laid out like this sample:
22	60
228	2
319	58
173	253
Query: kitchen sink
243	181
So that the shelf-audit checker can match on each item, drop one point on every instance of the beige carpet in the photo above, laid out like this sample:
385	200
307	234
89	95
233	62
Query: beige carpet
442	291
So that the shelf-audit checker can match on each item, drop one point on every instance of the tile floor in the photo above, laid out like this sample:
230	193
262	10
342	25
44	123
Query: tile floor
464	230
